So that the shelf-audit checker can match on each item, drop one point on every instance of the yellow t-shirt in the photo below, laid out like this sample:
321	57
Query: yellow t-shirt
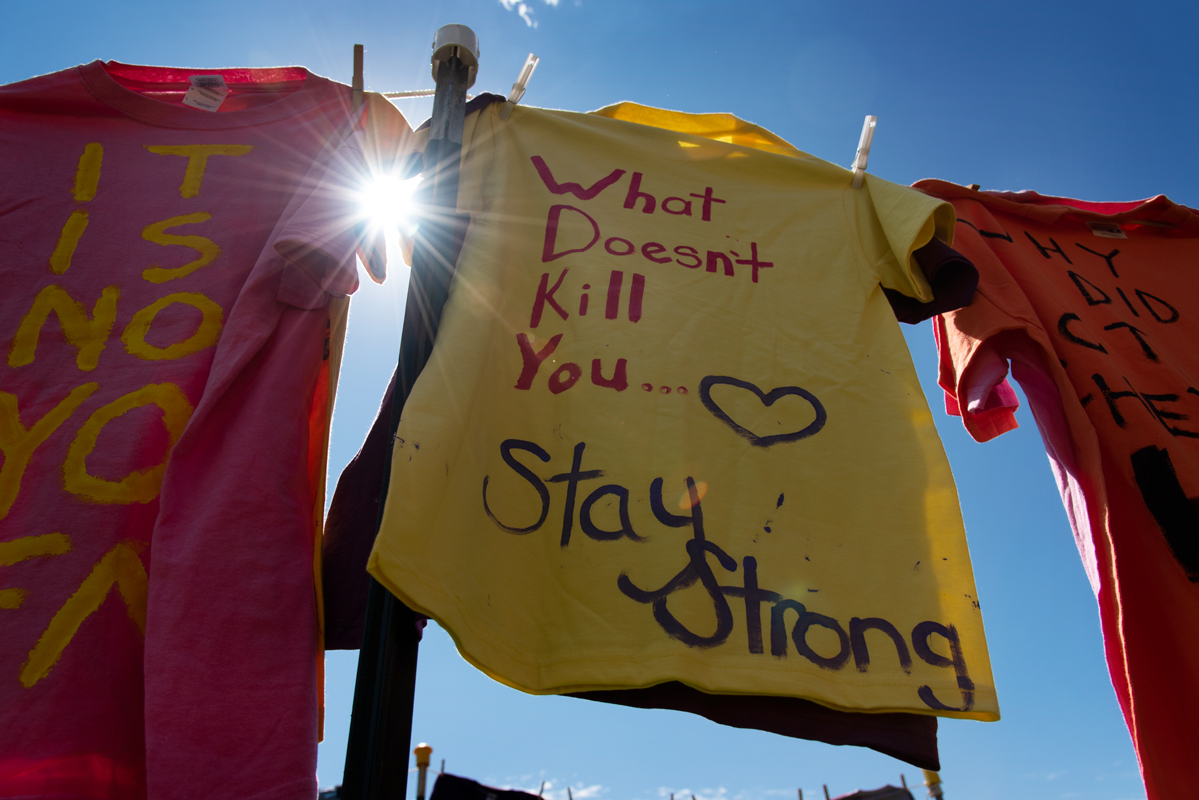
671	431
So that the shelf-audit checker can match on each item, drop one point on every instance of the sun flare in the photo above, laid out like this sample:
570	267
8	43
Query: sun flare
387	202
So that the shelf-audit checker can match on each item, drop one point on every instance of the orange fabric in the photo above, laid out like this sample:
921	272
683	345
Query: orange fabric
1111	324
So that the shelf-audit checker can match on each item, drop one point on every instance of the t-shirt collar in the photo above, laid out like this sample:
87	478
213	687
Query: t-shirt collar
98	80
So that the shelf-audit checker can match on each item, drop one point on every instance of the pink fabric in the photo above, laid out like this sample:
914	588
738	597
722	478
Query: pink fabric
991	402
219	699
994	408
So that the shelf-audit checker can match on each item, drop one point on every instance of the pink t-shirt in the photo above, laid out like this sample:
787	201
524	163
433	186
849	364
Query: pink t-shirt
164	388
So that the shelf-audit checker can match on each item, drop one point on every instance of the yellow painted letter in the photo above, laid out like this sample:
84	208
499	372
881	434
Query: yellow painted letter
121	566
51	544
206	335
87	175
18	443
88	335
68	240
156	232
139	486
197	160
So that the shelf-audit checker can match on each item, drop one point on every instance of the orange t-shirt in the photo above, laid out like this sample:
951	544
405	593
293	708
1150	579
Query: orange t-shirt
1096	305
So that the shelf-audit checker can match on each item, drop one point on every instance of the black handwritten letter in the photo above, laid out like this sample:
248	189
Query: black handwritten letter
799	634
778	625
1111	398
506	448
1149	401
626	525
1063	327
1108	258
987	234
754	597
572	479
1145	297
857	640
1091	300
697	569
1045	251
1137	334
920	636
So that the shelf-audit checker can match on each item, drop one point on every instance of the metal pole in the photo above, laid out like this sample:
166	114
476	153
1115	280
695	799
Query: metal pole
422	753
381	720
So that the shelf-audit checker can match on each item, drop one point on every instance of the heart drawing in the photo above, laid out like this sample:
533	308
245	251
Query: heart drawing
767	398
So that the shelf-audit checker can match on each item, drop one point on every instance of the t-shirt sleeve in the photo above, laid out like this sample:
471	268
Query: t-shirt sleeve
986	401
951	276
323	226
893	222
972	342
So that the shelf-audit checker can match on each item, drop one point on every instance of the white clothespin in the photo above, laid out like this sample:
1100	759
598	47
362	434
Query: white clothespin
518	88
859	160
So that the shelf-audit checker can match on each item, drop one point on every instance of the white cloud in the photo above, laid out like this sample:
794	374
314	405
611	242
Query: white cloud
525	10
550	790
720	793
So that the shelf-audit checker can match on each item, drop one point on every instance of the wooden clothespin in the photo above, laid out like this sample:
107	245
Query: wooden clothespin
518	88
859	160
356	83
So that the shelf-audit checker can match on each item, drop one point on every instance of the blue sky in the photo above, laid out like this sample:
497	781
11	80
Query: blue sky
1091	100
